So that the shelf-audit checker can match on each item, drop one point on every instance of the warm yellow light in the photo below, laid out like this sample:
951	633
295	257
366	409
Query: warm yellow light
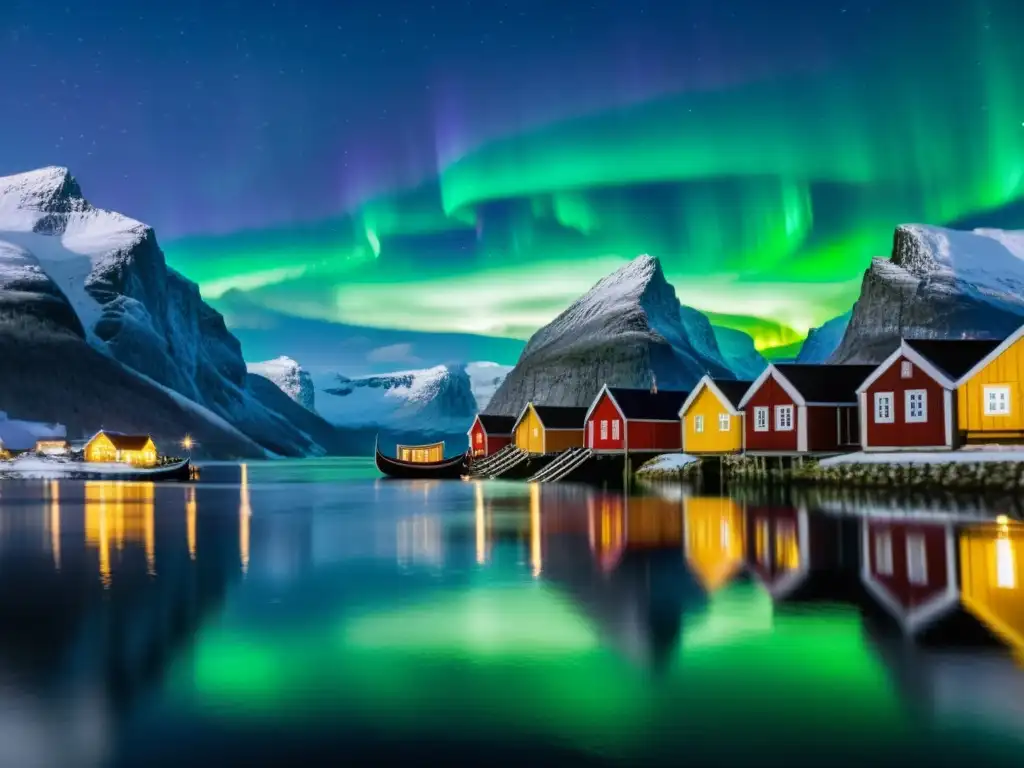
1003	520
187	443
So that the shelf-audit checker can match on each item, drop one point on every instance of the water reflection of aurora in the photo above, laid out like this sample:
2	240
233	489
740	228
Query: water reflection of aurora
521	659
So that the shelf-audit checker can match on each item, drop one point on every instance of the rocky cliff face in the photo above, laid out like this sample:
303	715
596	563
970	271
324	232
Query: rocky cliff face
941	284
822	342
290	377
627	329
101	276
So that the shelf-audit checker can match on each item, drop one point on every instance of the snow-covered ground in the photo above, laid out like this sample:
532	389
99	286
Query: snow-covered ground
963	456
667	462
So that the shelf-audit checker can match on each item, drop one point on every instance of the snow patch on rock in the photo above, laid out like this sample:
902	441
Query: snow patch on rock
290	377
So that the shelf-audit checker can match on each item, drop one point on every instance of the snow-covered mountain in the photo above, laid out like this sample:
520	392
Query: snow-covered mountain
484	379
822	342
739	353
67	267
940	283
290	377
627	329
435	400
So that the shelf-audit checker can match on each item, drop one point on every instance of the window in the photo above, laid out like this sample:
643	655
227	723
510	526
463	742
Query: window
883	554
916	409
917	561
536	432
784	418
883	408
997	401
760	419
906	369
479	438
698	423
615	429
604	429
724	422
1006	572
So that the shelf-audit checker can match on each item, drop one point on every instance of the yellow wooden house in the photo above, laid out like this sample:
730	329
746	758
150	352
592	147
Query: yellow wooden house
106	446
421	454
992	578
990	396
542	429
714	540
711	419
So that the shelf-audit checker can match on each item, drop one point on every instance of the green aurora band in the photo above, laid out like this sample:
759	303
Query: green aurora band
764	202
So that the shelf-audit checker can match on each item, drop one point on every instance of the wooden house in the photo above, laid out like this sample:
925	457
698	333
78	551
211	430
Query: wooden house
909	401
106	446
792	408
711	417
714	539
909	566
490	433
543	429
992	578
990	396
634	421
53	447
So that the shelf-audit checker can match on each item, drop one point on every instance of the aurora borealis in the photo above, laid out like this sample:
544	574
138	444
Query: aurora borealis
473	167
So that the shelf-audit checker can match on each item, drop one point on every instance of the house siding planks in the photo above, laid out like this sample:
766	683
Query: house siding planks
529	435
653	436
605	411
712	440
832	428
1008	370
900	433
478	440
558	440
910	596
770	394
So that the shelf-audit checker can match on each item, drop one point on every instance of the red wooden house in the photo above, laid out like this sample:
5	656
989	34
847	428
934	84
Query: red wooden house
909	566
634	421
489	434
909	402
793	408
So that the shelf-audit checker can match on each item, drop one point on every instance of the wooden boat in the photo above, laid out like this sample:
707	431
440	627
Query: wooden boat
445	469
84	470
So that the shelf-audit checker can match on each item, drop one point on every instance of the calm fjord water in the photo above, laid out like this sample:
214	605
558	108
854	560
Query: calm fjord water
311	613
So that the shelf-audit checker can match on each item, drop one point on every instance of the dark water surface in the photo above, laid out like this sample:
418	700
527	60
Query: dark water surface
308	613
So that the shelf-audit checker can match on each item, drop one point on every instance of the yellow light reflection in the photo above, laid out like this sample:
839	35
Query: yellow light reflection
715	540
536	557
481	525
244	513
119	512
787	546
607	524
991	571
55	522
190	520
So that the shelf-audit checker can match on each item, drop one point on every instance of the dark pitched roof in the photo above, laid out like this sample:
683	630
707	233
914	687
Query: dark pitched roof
732	389
826	383
954	357
497	425
662	405
125	442
559	417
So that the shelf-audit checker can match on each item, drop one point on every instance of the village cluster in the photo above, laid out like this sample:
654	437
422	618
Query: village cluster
103	447
928	395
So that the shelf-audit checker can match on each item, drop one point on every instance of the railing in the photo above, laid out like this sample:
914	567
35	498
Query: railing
483	465
581	458
551	468
514	459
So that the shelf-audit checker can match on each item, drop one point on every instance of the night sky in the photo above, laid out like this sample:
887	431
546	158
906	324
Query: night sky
475	165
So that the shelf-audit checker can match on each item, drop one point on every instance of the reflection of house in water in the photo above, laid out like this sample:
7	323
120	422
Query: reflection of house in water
714	539
799	555
909	566
117	513
992	578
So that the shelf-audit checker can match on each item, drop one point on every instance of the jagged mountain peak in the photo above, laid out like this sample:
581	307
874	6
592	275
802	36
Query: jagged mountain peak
290	377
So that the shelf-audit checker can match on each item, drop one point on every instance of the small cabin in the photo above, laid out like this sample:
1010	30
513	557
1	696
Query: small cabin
490	433
51	447
909	401
543	429
804	409
622	420
990	395
711	417
106	446
420	454
909	566
992	577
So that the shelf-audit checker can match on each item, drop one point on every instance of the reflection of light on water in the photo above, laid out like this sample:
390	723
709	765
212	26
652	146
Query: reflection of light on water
190	520
55	522
418	540
990	576
535	548
119	511
481	525
244	513
1006	576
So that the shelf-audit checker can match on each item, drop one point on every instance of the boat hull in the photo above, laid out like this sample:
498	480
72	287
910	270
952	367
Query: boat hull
449	469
